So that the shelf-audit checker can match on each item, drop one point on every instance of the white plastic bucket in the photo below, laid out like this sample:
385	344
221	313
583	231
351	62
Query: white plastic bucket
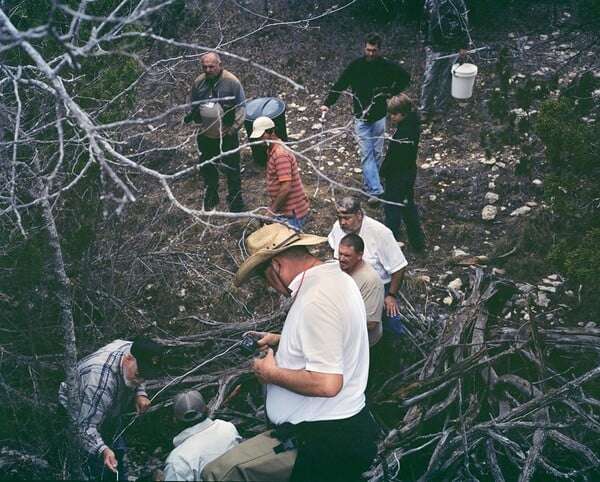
463	78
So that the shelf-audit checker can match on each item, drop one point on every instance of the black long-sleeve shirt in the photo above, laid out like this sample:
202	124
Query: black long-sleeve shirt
372	83
401	155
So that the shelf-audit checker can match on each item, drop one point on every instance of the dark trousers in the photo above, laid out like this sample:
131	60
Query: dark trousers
212	162
335	450
400	188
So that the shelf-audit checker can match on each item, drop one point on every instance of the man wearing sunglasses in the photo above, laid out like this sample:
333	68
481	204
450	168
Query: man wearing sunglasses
315	372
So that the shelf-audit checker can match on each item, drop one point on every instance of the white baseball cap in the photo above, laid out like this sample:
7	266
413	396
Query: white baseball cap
260	125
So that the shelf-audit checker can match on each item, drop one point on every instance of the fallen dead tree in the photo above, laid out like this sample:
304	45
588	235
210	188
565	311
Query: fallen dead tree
494	399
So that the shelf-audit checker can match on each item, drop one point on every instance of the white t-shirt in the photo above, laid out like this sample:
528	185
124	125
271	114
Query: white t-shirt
198	445
325	331
381	249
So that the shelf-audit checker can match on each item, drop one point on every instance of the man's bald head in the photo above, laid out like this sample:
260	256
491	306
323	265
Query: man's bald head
211	65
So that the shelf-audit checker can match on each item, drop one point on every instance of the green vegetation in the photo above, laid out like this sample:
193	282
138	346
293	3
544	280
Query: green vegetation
569	141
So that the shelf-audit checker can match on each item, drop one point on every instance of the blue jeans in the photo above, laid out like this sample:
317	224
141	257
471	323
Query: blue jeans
370	143
391	324
437	82
293	221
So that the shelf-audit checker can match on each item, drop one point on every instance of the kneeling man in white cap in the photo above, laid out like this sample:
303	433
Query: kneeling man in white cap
202	441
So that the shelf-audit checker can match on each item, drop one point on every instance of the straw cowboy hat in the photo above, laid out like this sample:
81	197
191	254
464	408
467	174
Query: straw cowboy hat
268	241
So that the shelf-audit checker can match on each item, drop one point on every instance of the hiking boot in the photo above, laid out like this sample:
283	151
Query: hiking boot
237	206
210	200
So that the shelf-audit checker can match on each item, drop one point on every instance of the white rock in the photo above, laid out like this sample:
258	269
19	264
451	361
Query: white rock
302	109
448	300
531	204
485	160
521	211
455	284
525	287
498	271
436	248
549	282
432	197
537	182
548	289
491	197
316	127
459	253
489	212
542	300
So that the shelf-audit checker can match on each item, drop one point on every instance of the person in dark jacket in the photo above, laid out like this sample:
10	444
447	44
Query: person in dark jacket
399	170
373	79
446	34
218	106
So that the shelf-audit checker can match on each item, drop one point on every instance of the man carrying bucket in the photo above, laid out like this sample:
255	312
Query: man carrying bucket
446	36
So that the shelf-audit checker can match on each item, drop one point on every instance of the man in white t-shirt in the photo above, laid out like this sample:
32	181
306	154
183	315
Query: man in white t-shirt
381	249
202	441
316	379
369	283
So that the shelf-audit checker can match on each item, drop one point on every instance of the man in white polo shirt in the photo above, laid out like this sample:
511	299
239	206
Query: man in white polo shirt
315	381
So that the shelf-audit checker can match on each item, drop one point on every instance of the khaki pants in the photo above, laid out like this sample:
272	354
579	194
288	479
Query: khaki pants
252	460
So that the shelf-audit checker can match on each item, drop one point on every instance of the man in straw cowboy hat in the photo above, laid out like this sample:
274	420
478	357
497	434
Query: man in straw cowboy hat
316	379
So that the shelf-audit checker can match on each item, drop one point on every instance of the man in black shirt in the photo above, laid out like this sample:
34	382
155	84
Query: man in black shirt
372	79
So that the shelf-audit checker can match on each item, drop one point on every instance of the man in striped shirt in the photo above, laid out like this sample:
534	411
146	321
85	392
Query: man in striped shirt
109	381
289	203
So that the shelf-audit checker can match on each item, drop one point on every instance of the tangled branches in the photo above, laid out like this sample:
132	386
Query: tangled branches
494	398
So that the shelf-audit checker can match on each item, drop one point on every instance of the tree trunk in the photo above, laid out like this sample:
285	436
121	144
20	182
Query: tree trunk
64	298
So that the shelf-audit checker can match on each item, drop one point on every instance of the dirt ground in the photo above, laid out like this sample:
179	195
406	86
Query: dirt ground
457	168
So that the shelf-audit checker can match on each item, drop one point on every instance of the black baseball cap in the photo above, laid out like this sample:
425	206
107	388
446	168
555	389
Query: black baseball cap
149	357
